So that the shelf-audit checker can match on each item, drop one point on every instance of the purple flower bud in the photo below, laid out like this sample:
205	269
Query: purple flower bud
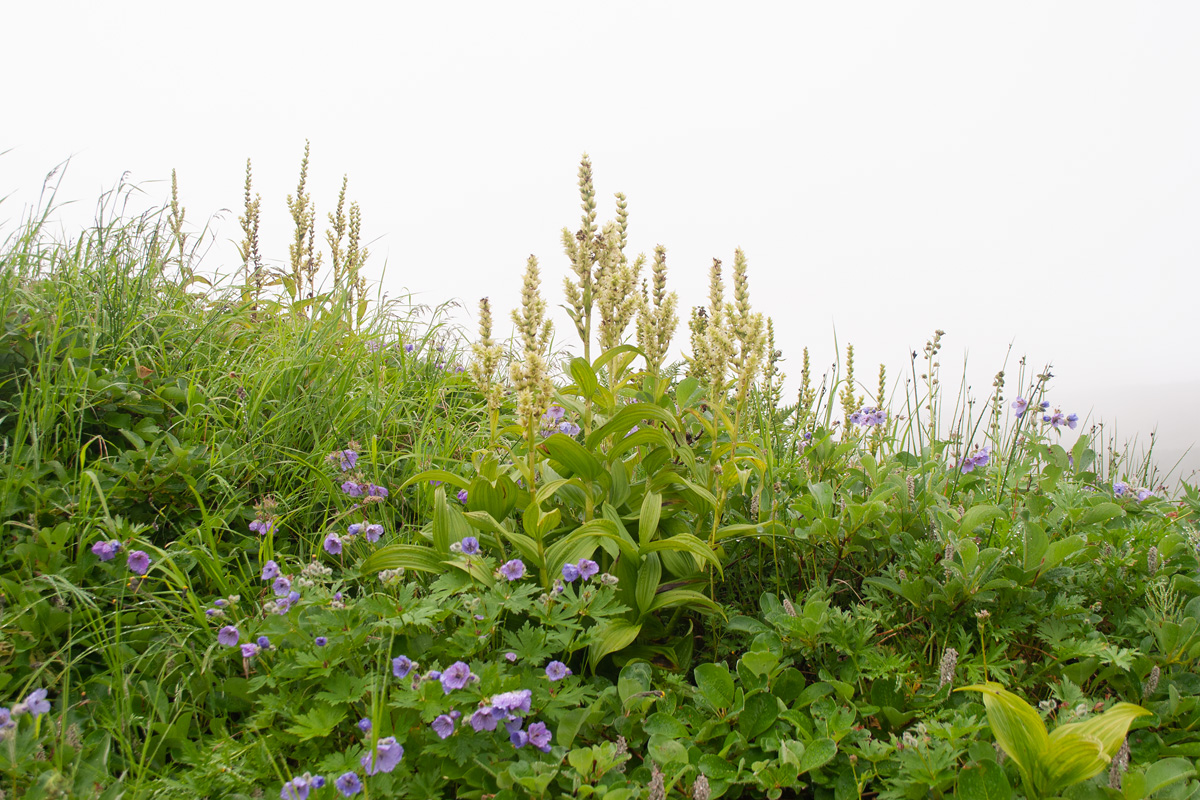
249	650
364	725
320	641
263	643
355	529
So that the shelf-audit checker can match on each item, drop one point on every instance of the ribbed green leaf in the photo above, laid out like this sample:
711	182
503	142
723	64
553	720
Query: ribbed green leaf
648	519
1017	727
685	542
1108	728
614	635
686	598
408	556
647	582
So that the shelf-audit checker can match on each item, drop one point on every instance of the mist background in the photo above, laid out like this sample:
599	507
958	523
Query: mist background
1023	175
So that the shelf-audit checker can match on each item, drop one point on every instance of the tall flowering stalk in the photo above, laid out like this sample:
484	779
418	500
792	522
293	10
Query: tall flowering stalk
657	321
487	359
530	375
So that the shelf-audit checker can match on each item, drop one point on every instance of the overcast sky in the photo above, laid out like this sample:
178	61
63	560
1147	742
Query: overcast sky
1023	173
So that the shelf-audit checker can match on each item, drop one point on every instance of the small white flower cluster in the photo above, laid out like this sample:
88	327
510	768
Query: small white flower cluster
391	576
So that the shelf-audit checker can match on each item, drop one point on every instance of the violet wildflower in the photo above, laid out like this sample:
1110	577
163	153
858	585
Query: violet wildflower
456	676
510	657
387	755
518	738
347	459
1143	495
213	612
228	636
462	496
106	551
353	490
554	413
587	568
355	529
570	573
281	586
348	784
36	703
1020	405
220	602
249	650
373	532
443	726
470	546
333	544
293	597
138	562
484	719
364	725
401	666
377	491
263	643
509	702
569	429
298	788
539	736
557	670
7	723
262	526
1120	488
408	348
320	641
270	571
513	570
1072	421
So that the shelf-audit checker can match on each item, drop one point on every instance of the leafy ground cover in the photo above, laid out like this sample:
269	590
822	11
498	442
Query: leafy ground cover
263	538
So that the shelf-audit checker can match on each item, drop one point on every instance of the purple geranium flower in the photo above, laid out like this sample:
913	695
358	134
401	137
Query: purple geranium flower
570	573
377	491
470	545
262	526
388	753
347	459
1143	494
485	719
513	701
373	532
299	788
333	544
539	736
518	738
401	666
263	643
106	551
320	641
354	490
554	413
456	676
364	725
36	703
281	586
408	348
270	571
138	562
1020	405
557	670
443	726
513	570
1072	421
462	496
1120	488
249	650
587	568
355	529
568	428
511	657
348	784
228	636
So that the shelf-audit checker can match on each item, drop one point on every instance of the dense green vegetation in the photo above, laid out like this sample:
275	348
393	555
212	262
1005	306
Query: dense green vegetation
267	538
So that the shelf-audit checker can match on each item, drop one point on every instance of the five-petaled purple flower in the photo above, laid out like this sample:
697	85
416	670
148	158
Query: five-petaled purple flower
557	670
228	636
1019	406
513	570
539	736
282	586
979	458
354	490
373	532
1143	494
298	788
509	702
36	703
106	551
138	562
333	544
470	545
568	429
348	784
570	573
456	676
249	650
443	726
485	718
262	526
388	753
270	571
355	529
587	568
346	459
401	666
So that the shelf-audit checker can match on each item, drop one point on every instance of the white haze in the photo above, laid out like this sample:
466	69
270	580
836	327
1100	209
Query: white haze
1021	174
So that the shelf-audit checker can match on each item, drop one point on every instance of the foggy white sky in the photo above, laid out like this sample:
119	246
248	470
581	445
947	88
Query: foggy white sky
1024	173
